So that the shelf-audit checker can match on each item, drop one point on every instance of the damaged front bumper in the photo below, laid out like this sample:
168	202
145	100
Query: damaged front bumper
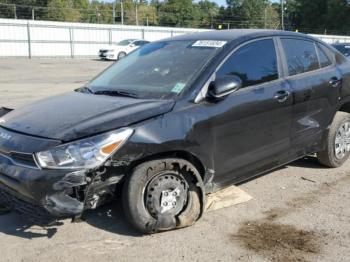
60	193
36	192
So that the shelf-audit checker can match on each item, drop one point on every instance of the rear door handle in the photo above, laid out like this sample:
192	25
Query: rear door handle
282	96
335	81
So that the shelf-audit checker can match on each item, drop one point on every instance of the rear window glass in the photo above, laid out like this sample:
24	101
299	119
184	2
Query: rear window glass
254	63
301	56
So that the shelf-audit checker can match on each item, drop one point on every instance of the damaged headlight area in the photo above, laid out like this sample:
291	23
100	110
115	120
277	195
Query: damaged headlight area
85	153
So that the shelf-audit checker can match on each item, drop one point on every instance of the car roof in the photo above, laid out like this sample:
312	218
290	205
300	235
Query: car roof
234	34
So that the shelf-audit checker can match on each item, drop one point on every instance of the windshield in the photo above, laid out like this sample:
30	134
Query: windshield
125	42
156	70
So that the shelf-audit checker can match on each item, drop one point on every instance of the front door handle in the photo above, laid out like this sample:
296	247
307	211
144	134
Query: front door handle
335	81
282	96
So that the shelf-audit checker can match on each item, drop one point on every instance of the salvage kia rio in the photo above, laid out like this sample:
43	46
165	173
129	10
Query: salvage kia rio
175	121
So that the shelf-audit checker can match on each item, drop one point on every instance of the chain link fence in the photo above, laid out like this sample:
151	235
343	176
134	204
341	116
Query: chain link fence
25	38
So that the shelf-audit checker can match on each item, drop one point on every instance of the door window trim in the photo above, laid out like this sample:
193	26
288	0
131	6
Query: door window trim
204	90
284	58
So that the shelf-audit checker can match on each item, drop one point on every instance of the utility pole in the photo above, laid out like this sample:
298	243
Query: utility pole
14	11
265	18
98	15
282	14
113	12
136	15
122	11
33	13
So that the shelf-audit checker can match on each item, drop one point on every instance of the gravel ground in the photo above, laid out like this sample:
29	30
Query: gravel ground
300	212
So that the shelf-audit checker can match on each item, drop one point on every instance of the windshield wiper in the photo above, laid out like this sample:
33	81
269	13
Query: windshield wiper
116	93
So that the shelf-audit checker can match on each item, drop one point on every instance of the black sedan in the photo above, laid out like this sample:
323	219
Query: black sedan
174	121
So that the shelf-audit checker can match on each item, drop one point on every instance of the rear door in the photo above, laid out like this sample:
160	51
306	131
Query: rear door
315	81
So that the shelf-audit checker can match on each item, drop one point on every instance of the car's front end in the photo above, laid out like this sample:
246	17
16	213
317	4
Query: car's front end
68	153
42	177
59	164
107	54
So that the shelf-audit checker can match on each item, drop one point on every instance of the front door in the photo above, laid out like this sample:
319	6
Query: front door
251	128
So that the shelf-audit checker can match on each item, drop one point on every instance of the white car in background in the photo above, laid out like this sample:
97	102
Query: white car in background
121	49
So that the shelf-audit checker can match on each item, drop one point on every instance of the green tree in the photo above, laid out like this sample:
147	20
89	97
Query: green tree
207	13
65	10
247	13
311	16
181	13
252	11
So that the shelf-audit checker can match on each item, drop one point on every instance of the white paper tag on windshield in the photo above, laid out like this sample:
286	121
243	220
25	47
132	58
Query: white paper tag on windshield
209	43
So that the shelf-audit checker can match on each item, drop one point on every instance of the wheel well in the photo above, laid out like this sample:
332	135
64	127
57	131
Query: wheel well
174	154
345	108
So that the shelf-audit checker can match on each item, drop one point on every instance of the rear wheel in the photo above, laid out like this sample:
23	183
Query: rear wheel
337	149
161	195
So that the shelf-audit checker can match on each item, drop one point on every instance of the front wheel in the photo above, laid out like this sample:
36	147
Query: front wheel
337	149
162	195
121	55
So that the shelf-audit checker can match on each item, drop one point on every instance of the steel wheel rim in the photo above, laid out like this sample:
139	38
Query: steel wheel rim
342	141
163	191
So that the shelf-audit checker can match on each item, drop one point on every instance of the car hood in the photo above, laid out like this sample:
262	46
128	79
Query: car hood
75	115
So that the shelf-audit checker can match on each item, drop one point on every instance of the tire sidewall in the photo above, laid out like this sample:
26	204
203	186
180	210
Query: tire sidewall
134	191
339	121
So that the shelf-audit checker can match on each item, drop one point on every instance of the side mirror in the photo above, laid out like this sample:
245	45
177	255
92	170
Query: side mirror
223	86
132	45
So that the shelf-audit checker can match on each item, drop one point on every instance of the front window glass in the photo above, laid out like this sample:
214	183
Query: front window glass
254	63
157	70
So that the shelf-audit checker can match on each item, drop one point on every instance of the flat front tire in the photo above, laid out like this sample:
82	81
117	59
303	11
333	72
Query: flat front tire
337	149
161	195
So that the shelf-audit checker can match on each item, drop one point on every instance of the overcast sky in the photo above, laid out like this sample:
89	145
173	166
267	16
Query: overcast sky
219	2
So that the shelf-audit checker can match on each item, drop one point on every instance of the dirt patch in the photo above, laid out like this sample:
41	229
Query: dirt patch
278	242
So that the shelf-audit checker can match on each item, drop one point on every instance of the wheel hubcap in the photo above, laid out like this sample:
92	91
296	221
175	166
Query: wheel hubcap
342	141
166	194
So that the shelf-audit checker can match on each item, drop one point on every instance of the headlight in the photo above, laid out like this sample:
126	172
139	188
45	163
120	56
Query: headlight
86	153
